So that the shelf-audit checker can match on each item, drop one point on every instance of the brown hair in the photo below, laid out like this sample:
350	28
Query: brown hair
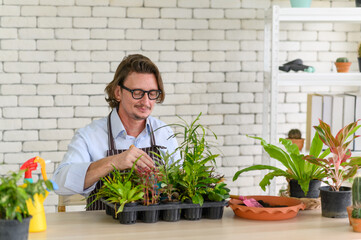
133	63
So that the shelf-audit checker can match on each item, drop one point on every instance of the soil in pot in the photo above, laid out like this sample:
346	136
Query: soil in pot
334	204
14	230
313	190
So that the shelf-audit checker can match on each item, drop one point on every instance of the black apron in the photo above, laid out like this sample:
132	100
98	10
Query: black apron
98	205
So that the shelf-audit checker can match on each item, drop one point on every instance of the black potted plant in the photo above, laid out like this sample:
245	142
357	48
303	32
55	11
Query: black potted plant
149	178
216	192
120	190
196	169
169	169
339	167
14	213
301	174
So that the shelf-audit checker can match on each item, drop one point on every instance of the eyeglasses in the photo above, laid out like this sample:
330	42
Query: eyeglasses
139	93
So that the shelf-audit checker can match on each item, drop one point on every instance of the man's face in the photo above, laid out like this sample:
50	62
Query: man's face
136	109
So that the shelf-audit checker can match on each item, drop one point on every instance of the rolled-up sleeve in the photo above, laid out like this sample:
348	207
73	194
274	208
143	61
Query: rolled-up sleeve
71	172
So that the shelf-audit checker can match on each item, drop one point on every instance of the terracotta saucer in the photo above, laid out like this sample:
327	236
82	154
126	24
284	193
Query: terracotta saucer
268	214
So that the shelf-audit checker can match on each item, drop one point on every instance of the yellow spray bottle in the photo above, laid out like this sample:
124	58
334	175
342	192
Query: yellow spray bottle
36	207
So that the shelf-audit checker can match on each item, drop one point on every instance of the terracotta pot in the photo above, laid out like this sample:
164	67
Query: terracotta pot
343	67
268	214
349	213
299	142
356	224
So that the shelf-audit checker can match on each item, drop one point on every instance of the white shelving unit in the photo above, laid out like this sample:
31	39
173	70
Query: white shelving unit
273	78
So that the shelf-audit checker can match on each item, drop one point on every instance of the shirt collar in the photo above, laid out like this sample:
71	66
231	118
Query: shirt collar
118	127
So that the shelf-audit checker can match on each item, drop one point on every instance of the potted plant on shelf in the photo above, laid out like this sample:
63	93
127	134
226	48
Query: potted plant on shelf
301	174
355	213
296	138
337	168
342	64
14	213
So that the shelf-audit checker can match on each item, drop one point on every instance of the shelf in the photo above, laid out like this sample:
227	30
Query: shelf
320	14
319	79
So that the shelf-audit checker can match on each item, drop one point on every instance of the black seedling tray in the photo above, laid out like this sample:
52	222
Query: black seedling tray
170	212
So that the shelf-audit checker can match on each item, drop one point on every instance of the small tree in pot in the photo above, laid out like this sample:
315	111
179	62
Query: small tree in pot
337	168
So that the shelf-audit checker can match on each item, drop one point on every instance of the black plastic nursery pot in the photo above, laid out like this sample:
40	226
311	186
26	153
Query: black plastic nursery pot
313	190
194	213
14	230
151	215
170	212
334	204
171	215
213	212
128	217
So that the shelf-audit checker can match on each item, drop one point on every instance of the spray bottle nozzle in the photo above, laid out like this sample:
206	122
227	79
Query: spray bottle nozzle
29	166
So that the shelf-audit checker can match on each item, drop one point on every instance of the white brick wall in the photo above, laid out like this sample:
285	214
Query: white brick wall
56	57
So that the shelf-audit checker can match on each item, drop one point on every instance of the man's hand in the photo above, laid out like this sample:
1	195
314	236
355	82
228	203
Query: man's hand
126	159
122	161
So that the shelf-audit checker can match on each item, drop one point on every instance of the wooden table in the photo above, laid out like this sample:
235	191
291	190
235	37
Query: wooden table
97	225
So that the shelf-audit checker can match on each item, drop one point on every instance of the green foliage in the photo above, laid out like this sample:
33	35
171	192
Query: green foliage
356	212
292	160
197	158
218	193
13	197
342	59
359	51
340	166
170	171
120	188
356	192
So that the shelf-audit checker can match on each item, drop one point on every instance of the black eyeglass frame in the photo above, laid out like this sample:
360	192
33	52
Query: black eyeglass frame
143	92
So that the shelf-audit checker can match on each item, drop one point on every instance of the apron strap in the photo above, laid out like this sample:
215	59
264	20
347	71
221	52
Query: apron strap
111	143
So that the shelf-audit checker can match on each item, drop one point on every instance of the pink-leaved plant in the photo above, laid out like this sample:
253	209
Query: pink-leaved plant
149	178
340	166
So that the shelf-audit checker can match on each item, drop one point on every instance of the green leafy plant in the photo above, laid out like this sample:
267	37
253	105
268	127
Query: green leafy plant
169	169
195	175
359	50
340	166
13	197
342	59
356	198
150	178
218	193
120	188
296	167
